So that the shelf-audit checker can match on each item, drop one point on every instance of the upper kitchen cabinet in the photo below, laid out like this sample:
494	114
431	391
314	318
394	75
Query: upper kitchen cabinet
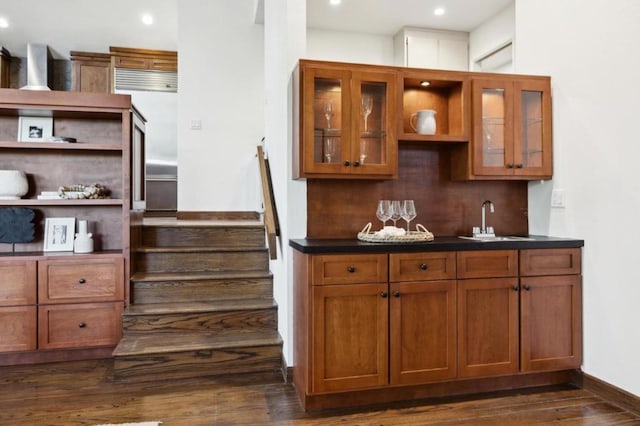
511	139
347	121
91	72
436	49
443	93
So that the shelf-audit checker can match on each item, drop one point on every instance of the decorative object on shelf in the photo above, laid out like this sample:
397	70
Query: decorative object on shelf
58	233
421	235
13	184
83	242
49	195
64	139
78	191
16	225
35	129
424	122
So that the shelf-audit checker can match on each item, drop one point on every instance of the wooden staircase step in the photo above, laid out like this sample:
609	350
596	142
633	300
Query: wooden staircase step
170	287
221	317
203	233
193	259
143	358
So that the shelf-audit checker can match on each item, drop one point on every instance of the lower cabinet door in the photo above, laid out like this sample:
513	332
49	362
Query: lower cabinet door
551	324
488	327
79	325
17	328
350	337
423	331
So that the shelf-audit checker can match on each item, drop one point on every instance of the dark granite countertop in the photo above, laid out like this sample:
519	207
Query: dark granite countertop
353	245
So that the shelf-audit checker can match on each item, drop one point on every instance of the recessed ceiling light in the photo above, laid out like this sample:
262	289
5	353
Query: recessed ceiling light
439	11
424	83
147	19
4	23
335	2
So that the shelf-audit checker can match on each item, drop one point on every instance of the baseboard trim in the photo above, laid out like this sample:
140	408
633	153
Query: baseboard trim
202	215
609	392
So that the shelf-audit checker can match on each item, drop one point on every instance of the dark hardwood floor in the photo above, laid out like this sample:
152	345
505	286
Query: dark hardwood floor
82	393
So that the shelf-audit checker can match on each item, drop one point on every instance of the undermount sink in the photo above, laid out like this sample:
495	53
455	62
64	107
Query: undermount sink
497	238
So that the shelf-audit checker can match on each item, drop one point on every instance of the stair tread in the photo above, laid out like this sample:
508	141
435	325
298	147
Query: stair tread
193	307
200	249
166	343
199	275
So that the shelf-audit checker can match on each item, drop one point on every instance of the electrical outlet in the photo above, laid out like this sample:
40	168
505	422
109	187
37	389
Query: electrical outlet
196	125
558	198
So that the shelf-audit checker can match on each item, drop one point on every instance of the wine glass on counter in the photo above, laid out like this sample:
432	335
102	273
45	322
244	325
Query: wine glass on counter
396	211
383	212
408	212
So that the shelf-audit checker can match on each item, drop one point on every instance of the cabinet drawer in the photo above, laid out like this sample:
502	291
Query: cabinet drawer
487	264
538	262
81	325
95	280
17	282
349	269
17	328
129	62
422	266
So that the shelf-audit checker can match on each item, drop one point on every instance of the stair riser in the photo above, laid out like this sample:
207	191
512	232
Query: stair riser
183	365
157	236
203	261
220	323
177	291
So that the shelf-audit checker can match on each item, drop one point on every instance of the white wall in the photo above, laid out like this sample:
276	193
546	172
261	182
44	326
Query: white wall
349	47
221	83
491	34
590	49
284	28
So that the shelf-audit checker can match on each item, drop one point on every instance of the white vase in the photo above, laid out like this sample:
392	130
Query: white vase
13	184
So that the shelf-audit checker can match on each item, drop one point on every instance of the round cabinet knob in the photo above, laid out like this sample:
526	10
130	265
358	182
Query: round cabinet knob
519	166
396	294
356	163
351	269
82	325
347	163
82	281
510	166
424	267
515	287
383	294
527	287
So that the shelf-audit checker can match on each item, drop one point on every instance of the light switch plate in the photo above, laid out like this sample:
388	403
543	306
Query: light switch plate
558	198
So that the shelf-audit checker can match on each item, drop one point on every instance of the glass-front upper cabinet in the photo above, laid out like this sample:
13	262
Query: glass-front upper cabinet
347	124
512	128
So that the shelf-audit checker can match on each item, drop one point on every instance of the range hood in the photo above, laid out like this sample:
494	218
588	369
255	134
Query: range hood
38	67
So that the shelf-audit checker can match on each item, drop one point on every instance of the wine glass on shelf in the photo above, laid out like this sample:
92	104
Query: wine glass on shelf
383	212
363	150
328	112
366	105
408	212
396	211
329	150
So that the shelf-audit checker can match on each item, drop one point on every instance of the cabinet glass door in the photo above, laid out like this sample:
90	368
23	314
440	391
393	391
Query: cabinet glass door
493	147
532	140
373	118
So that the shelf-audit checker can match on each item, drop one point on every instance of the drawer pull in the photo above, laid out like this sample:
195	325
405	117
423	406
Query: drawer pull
424	266
383	294
82	281
351	269
82	325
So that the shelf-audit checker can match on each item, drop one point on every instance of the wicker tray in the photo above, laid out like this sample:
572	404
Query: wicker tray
421	235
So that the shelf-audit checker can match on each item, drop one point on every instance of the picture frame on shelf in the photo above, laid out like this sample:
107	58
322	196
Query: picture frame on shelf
35	129
59	233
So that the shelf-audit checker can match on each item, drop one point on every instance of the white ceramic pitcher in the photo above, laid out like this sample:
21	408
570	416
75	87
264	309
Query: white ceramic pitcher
424	121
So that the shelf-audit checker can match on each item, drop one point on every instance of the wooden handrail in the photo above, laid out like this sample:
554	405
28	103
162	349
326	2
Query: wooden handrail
270	213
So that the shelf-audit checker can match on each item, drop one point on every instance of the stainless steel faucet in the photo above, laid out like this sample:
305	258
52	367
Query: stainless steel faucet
483	230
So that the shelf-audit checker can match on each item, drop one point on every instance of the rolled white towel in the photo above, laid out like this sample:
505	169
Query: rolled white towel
390	231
